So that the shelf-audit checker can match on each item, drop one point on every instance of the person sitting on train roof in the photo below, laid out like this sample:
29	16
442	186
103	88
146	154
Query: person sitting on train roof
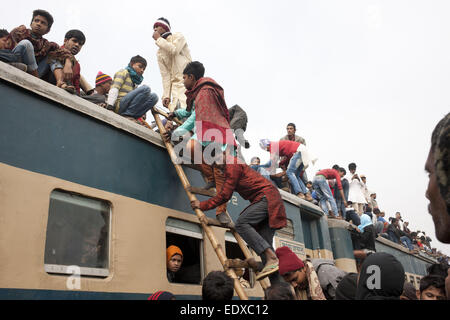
208	118
323	191
217	286
263	169
44	50
388	285
103	84
297	158
351	215
438	168
291	136
173	56
16	56
66	73
432	287
398	236
174	257
125	97
266	210
379	224
301	275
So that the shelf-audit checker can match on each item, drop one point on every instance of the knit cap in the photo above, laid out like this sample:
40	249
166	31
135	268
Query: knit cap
102	78
288	260
162	23
171	251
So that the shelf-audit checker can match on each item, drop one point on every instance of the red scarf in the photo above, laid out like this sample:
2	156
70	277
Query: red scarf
210	110
76	68
42	47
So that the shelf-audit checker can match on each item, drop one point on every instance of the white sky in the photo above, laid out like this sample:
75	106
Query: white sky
365	81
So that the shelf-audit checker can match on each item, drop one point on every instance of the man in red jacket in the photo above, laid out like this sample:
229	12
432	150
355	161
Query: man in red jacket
292	154
323	190
265	211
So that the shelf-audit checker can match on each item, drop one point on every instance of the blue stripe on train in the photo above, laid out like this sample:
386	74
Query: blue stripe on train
34	294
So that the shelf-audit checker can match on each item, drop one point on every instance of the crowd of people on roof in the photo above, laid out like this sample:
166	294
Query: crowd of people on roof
199	103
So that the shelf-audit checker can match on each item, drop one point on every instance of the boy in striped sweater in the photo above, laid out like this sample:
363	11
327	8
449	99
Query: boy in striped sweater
125	98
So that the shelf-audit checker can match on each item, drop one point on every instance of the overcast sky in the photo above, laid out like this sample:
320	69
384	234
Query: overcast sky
365	81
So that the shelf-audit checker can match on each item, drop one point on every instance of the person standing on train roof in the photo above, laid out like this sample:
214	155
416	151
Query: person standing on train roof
173	57
323	190
266	210
291	134
297	157
355	192
208	117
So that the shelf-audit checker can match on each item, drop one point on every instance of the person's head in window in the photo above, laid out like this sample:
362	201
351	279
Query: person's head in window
174	261
432	287
217	286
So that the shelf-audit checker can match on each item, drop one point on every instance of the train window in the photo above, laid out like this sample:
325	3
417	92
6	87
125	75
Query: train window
233	251
78	232
287	232
189	238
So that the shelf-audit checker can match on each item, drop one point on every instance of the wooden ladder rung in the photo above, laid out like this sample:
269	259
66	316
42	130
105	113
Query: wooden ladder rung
209	193
216	223
236	264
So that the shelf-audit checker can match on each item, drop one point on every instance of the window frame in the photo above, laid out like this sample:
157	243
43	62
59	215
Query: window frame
60	269
190	234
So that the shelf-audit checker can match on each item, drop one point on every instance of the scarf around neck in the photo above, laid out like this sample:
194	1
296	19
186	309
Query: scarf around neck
166	35
135	77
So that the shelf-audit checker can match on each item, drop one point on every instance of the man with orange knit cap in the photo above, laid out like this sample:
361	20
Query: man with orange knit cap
174	260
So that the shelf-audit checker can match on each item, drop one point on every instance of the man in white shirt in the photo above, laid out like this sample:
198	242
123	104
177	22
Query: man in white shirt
355	192
173	57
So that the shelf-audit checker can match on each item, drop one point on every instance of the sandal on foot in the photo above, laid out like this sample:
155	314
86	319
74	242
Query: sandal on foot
267	271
